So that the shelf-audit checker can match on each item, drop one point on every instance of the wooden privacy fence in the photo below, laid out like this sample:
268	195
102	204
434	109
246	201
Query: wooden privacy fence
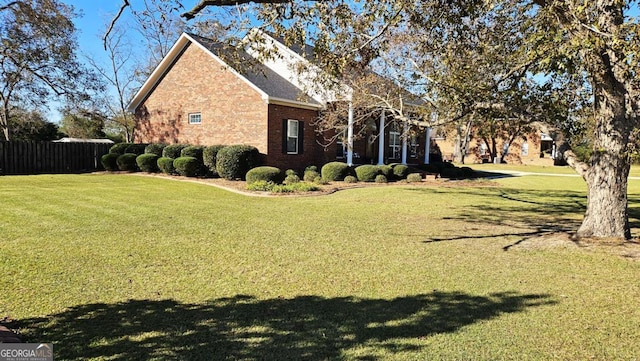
49	157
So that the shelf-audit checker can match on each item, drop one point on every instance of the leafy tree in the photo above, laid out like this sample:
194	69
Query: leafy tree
37	56
31	125
85	126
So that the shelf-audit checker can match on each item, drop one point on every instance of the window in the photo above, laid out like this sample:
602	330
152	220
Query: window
394	142
413	146
195	118
292	136
525	149
483	149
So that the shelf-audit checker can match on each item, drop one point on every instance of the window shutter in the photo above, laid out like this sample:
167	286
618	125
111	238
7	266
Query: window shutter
285	131
300	137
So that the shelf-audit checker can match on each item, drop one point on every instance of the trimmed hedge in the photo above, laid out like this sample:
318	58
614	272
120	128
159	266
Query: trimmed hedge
109	162
367	172
187	166
165	165
350	179
155	148
386	171
118	148
209	155
194	151
234	161
127	162
334	171
291	179
265	173
173	150
400	171
148	162
414	178
380	178
136	149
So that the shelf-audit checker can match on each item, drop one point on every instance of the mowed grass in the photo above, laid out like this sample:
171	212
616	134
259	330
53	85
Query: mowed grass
120	267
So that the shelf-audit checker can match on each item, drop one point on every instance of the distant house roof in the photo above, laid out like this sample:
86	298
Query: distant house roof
82	140
272	87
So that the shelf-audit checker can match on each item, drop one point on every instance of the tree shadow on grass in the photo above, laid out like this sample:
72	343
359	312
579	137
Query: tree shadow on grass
247	328
525	214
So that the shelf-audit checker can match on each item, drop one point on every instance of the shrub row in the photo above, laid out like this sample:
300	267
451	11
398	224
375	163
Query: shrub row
230	162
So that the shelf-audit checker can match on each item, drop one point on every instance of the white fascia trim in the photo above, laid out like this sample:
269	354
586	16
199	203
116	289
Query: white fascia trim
293	103
157	73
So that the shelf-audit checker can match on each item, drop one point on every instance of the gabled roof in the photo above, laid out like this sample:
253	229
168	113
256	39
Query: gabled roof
273	88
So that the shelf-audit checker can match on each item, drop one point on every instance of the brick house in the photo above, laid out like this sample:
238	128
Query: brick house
195	97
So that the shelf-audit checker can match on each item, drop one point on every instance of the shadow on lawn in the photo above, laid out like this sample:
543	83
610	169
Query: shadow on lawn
243	327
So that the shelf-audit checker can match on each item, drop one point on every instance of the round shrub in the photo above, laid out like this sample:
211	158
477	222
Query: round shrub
192	151
414	178
148	162
127	162
386	171
367	172
119	148
311	168
291	179
173	150
400	171
186	166
209	155
136	149
334	171
321	181
234	161
350	179
109	161
310	175
155	148
290	172
267	174
381	178
166	165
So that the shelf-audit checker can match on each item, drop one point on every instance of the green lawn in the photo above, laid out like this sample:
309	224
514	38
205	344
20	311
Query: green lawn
119	267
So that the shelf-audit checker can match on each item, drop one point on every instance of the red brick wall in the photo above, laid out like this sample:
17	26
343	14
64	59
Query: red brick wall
232	112
312	153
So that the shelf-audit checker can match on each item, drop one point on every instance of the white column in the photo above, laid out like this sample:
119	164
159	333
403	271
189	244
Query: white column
405	137
381	139
350	136
427	146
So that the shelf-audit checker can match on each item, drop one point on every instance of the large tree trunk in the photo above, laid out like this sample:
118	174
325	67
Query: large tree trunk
608	172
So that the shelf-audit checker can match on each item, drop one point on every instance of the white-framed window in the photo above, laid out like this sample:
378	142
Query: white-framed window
525	149
195	118
292	136
394	142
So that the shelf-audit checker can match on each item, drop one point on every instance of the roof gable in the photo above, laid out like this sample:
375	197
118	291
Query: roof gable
267	83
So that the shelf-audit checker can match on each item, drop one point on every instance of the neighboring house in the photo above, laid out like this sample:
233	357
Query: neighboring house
195	97
534	148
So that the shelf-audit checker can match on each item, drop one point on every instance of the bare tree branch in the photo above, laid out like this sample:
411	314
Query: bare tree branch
125	4
5	7
205	3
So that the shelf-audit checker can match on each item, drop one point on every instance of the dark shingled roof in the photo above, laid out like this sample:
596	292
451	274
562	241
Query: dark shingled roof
257	73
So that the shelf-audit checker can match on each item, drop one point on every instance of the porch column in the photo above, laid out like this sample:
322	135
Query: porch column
404	142
381	139
350	136
427	146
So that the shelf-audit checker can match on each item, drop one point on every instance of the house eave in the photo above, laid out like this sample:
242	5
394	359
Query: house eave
293	103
